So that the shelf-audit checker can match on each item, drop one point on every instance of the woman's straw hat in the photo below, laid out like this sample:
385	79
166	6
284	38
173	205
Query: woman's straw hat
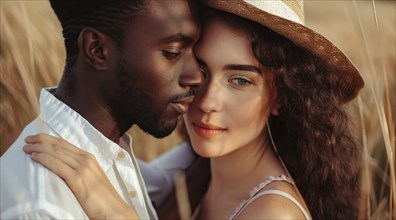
286	17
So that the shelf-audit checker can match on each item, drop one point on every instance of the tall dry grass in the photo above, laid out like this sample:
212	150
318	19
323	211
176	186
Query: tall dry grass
365	30
29	60
32	56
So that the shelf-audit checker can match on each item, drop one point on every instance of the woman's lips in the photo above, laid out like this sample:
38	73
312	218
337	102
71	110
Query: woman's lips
206	130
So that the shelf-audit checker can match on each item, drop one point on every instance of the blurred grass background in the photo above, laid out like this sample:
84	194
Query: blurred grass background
32	56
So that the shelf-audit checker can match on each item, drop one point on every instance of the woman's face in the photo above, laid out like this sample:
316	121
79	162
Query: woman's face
231	108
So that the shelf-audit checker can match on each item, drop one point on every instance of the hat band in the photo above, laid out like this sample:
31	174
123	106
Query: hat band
281	8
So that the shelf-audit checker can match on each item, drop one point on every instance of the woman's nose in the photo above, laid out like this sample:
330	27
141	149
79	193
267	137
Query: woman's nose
209	99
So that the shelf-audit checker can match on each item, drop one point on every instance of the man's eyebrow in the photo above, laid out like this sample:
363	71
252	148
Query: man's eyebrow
178	38
243	67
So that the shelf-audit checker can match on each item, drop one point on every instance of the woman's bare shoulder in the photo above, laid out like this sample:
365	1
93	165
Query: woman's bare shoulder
274	206
271	206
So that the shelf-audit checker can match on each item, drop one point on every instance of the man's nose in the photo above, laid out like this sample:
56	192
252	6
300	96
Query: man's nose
191	75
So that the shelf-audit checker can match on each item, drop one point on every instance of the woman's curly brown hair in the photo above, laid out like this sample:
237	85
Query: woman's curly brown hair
311	133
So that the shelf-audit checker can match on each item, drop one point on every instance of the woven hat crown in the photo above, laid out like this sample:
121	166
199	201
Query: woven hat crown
292	10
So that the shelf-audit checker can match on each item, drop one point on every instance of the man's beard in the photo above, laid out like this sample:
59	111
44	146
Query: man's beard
138	106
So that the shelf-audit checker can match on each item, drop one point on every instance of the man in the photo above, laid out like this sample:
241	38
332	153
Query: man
128	62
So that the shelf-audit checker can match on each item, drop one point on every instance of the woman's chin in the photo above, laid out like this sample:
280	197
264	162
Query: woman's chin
207	152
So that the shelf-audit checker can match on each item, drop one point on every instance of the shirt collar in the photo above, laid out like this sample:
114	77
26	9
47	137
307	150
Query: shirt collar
72	127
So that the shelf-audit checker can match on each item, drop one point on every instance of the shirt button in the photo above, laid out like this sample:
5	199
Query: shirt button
121	155
132	194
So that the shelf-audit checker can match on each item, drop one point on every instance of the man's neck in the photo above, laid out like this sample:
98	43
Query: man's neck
93	110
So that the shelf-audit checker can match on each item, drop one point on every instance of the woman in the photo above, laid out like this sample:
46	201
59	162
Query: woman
269	116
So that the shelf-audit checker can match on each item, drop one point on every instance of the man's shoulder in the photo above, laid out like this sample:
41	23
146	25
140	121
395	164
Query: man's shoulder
29	190
15	153
14	157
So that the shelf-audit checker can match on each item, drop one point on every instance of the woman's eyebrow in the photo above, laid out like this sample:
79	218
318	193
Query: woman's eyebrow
243	67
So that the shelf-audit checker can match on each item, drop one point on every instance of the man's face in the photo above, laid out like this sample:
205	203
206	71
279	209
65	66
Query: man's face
157	67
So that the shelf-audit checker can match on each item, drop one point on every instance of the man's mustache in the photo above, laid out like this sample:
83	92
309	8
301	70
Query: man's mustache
180	98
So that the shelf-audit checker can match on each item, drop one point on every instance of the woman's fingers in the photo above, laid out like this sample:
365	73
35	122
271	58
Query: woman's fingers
31	139
52	140
82	173
55	165
79	171
79	181
81	168
53	153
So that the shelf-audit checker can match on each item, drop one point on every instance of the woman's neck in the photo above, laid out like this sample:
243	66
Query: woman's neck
241	170
233	176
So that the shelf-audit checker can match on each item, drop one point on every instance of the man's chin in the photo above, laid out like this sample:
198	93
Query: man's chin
161	130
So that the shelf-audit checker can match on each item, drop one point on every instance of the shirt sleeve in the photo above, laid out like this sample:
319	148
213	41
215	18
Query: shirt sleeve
40	210
159	173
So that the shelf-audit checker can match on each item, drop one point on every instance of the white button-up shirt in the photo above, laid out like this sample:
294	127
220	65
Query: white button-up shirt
30	191
159	174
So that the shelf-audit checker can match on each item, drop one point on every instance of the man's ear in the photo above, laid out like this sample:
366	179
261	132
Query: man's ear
94	47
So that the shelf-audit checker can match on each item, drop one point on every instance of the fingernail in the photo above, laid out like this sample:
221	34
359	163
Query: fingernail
26	148
33	155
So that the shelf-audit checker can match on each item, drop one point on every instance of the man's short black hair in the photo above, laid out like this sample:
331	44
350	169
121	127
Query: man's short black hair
107	16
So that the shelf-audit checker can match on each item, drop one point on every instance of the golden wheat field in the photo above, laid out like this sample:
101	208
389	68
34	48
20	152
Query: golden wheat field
32	56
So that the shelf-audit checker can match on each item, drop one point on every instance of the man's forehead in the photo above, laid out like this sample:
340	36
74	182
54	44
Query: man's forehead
168	19
169	8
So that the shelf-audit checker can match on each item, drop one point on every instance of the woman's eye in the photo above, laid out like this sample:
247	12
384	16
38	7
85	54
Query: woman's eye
241	81
171	54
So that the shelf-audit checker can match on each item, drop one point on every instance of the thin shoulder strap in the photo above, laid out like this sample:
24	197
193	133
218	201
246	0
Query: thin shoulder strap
277	192
256	190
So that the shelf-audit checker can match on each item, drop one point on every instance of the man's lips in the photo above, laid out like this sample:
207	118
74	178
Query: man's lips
207	130
182	105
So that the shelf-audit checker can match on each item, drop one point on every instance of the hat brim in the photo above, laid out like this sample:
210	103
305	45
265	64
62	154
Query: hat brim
302	36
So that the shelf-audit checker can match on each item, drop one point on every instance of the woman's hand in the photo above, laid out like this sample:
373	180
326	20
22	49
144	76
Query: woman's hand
83	175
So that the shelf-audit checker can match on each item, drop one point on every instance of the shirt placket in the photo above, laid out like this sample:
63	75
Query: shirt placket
127	172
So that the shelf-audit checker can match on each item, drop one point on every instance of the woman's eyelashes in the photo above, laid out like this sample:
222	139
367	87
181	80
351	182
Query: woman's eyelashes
240	81
235	80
